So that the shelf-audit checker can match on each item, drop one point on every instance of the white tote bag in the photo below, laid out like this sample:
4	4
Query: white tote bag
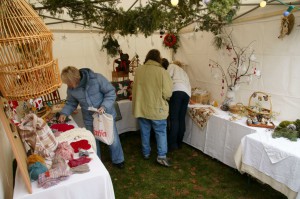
104	128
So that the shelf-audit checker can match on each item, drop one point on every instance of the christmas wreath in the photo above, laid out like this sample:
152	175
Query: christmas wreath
171	41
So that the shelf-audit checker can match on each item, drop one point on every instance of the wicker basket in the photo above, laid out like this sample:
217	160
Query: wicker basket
27	68
238	108
254	110
201	99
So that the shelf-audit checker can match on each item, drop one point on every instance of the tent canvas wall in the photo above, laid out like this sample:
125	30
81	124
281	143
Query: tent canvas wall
279	63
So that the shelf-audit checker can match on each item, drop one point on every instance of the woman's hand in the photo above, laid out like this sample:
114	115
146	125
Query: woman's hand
62	118
101	110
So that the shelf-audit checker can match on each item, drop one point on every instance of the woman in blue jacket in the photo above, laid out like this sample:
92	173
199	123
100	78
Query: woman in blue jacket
90	89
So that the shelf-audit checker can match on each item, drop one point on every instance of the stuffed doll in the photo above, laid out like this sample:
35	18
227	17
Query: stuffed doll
123	62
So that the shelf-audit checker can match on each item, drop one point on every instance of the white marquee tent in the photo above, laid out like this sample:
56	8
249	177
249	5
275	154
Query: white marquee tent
277	59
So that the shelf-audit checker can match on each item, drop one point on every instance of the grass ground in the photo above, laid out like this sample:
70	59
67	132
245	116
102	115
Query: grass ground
192	175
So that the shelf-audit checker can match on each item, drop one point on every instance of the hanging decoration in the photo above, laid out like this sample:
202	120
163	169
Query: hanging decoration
242	67
111	18
289	5
287	25
171	41
111	45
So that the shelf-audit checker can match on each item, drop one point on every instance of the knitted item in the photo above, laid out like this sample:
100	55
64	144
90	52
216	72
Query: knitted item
78	134
35	158
81	169
65	151
81	144
79	161
35	170
83	152
59	163
53	177
61	127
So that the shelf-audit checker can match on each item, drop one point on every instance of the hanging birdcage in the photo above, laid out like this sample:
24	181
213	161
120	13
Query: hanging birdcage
27	68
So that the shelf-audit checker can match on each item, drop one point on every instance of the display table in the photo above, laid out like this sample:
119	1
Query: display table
128	121
96	184
220	138
272	161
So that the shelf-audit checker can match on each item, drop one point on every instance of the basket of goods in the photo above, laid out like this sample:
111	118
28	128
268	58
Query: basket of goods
259	110
238	108
200	96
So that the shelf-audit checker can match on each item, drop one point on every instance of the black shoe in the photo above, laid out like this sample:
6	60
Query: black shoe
120	165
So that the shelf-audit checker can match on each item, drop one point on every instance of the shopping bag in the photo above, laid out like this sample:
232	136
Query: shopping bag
104	127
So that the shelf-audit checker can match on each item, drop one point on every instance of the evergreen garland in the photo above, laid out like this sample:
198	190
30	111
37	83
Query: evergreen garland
111	45
284	129
149	18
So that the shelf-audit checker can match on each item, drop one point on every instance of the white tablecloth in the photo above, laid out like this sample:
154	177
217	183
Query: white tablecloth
95	184
128	121
220	138
273	161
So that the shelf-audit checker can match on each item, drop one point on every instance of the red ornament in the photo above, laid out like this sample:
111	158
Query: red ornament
170	40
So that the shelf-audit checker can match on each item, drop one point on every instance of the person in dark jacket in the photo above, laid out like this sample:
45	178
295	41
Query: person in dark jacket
89	89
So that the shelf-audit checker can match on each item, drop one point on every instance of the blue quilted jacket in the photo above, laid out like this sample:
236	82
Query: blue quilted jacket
94	90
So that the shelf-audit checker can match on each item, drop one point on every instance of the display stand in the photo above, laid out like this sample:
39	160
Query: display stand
17	147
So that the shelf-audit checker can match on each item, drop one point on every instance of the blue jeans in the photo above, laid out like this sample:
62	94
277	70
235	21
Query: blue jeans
159	127
116	151
178	107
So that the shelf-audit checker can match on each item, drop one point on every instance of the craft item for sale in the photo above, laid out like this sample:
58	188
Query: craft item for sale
81	169
59	162
35	170
76	162
53	177
65	151
62	127
83	152
78	134
35	158
81	144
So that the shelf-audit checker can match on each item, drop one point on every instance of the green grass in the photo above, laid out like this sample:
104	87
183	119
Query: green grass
192	175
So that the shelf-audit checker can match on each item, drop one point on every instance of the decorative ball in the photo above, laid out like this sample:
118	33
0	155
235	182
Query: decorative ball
206	1
160	36
292	127
286	13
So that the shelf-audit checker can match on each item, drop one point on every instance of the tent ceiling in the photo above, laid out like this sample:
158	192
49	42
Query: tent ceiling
248	10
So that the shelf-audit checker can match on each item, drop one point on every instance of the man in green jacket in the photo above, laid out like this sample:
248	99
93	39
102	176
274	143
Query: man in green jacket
151	90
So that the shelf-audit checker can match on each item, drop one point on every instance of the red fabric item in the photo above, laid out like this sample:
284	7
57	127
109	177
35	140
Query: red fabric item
62	127
81	144
76	162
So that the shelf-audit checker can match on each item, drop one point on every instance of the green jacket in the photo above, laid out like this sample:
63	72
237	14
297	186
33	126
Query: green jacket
152	88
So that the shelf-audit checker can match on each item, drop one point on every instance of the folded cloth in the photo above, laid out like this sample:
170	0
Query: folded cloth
81	144
65	151
59	163
76	162
81	169
53	177
62	127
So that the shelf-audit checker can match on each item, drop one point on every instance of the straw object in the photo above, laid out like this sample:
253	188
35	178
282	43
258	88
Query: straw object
238	108
254	110
27	68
